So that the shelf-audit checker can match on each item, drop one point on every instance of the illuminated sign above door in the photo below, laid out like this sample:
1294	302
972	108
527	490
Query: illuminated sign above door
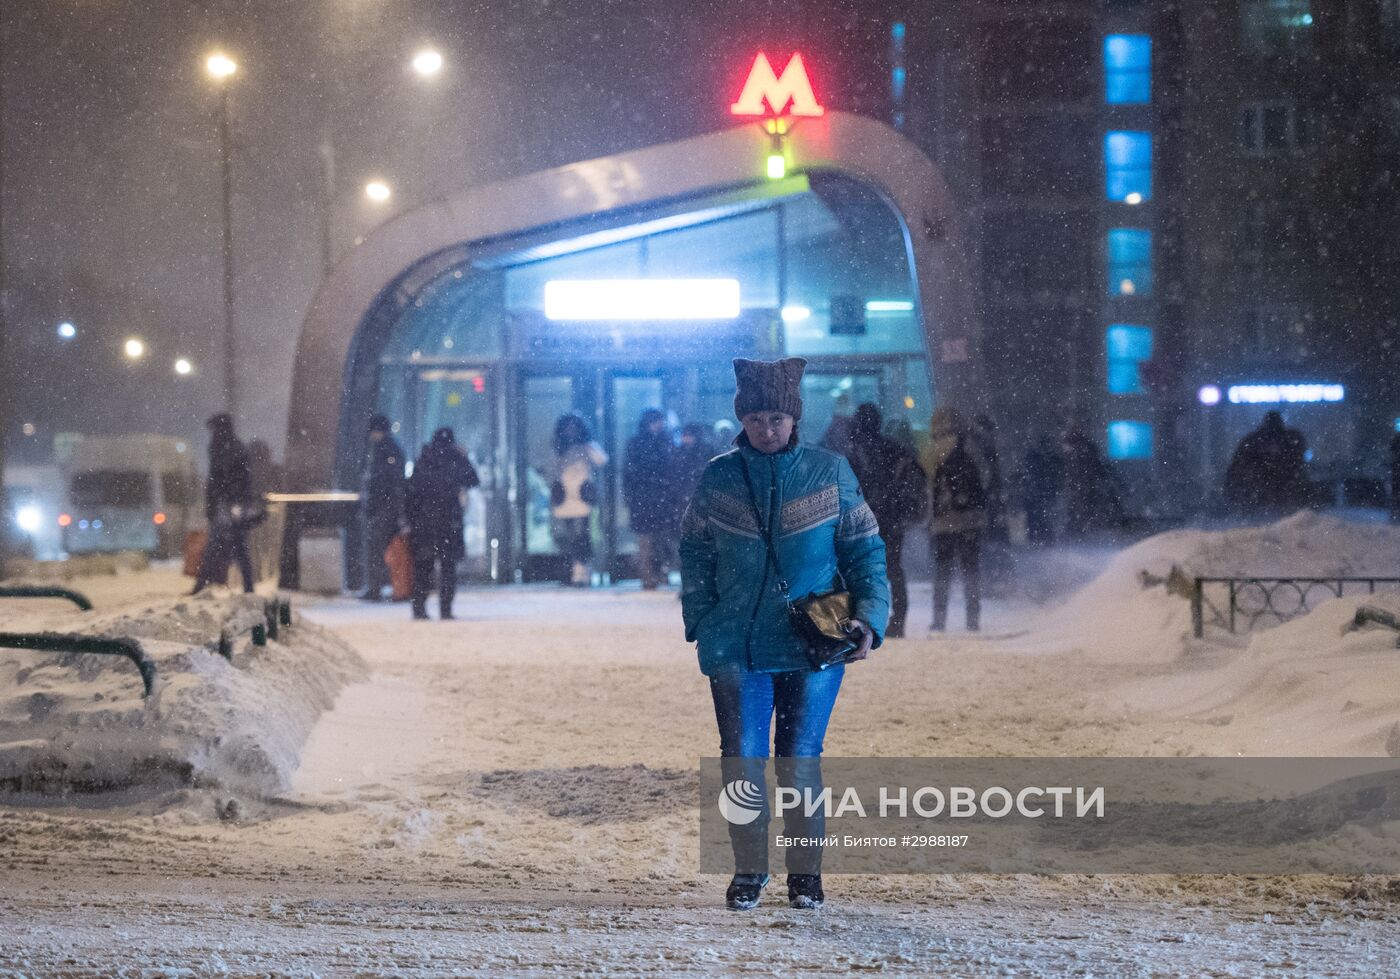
788	94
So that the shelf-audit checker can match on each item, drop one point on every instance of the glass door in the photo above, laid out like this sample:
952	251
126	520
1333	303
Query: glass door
462	399
543	398
628	395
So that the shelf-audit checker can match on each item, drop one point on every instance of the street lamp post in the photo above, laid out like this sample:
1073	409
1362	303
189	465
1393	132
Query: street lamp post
221	68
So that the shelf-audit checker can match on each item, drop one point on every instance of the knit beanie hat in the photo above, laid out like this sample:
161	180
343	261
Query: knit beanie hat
769	385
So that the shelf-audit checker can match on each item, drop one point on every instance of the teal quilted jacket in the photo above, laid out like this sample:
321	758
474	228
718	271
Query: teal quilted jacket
820	523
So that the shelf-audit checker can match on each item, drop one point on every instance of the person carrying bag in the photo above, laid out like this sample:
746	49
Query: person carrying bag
771	519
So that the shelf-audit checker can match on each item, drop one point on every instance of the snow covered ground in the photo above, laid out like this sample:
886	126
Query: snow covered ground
513	793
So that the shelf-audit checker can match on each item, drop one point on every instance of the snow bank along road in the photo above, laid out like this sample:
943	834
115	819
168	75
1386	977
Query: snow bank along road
513	794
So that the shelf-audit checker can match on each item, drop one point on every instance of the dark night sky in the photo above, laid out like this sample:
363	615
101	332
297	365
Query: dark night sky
112	196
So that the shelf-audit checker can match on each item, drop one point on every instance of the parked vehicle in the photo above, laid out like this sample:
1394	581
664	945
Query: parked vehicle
129	493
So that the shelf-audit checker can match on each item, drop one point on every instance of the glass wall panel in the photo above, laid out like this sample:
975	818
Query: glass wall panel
848	287
459	316
743	248
546	398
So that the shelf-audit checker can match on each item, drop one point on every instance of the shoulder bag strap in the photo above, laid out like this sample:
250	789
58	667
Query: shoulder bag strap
763	531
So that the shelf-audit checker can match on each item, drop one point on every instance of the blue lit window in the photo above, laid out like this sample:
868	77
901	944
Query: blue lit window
1129	262
1127	160
1127	67
1127	347
1129	440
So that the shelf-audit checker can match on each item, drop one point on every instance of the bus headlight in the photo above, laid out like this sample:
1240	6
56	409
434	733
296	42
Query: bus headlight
29	518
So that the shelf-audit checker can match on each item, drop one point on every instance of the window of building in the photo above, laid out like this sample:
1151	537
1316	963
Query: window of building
1127	158
1128	347
1271	27
1268	128
1129	262
1127	69
1129	440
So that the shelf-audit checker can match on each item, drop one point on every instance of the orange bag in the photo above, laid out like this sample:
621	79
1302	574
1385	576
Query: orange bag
399	559
194	551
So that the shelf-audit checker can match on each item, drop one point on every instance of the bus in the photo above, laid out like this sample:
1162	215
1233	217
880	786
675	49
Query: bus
129	493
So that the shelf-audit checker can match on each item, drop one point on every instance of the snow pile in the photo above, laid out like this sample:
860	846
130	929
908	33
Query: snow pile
79	722
1119	617
1313	686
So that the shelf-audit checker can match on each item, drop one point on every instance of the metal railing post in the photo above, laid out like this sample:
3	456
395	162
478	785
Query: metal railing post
1198	617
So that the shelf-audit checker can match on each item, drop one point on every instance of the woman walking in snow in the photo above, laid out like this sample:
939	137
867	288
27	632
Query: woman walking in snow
773	512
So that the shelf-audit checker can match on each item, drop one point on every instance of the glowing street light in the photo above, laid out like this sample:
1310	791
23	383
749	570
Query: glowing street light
134	348
220	66
427	63
67	331
378	191
183	367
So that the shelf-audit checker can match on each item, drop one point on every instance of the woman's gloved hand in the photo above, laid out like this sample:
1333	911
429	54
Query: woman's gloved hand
867	637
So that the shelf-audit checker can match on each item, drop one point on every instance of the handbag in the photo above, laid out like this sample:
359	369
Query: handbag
821	621
398	558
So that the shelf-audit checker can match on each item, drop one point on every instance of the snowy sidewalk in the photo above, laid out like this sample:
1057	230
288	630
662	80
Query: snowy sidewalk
513	794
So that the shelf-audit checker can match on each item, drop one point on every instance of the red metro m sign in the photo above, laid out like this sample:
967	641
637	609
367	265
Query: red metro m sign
788	94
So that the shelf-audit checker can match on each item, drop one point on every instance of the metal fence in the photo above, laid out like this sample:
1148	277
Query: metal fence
1236	604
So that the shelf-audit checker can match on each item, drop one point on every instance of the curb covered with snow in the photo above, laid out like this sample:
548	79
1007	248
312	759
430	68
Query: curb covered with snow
79	723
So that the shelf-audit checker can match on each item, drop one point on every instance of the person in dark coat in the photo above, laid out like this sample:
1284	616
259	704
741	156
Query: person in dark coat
229	505
1268	471
957	514
1042	478
1093	501
434	508
896	488
649	490
691	457
996	538
381	503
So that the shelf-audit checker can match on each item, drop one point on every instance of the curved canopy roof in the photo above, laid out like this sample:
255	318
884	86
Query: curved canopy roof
852	145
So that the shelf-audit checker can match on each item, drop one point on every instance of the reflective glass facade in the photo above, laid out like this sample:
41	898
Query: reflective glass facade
822	270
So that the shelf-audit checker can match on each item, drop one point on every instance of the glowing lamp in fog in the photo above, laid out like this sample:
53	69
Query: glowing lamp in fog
795	314
67	331
158	519
64	520
1209	394
1133	198
777	166
889	306
134	349
378	191
29	518
183	367
427	62
220	66
641	299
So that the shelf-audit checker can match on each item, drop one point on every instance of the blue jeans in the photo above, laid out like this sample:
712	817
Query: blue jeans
745	704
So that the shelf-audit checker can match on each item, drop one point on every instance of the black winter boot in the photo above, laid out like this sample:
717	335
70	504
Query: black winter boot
805	891
744	890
